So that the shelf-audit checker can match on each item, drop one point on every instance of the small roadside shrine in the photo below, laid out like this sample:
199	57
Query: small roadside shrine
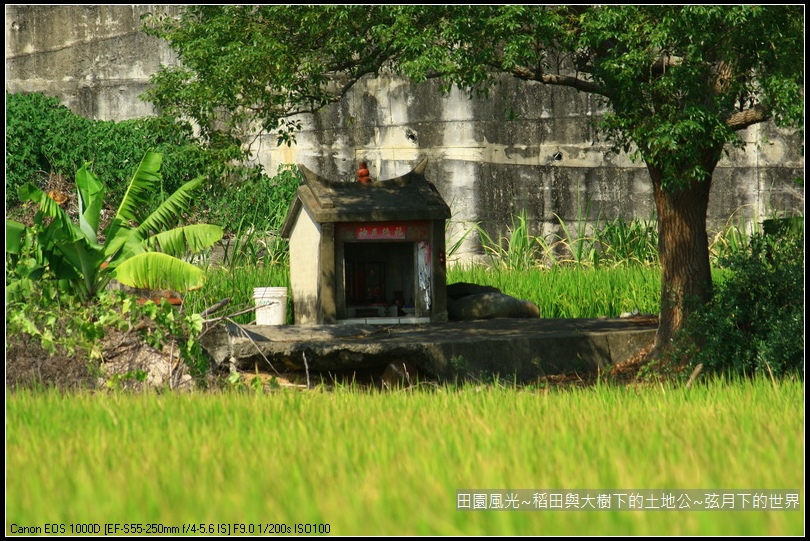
367	251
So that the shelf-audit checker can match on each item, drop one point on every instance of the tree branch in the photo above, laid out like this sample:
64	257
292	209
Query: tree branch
558	80
742	119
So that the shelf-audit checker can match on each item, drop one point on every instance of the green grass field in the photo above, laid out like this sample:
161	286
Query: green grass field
370	463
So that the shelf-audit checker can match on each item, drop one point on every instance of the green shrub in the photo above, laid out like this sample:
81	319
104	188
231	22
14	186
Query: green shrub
259	202
45	138
52	337
55	339
754	325
29	120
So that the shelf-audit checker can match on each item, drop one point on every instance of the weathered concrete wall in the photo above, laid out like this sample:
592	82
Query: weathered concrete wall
95	59
527	146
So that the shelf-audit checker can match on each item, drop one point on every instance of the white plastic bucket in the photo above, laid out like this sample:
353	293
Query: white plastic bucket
271	305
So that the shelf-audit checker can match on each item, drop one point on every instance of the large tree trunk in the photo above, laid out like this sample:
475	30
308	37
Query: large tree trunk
683	248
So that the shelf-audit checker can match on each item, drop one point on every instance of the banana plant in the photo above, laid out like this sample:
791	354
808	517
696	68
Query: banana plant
137	248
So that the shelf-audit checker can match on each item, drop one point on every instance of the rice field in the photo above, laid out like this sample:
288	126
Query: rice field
391	463
348	461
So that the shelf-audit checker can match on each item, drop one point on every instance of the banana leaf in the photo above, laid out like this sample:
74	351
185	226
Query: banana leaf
15	231
188	239
155	270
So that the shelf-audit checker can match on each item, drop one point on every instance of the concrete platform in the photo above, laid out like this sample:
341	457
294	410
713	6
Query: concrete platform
523	349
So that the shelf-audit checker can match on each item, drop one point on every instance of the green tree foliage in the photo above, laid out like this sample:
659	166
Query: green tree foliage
247	67
679	82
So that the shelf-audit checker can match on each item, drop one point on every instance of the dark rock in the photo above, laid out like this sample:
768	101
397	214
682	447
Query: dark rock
490	305
464	289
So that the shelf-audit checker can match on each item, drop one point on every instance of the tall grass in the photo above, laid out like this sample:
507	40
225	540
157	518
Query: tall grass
390	464
250	246
733	238
237	284
573	292
616	243
581	248
623	242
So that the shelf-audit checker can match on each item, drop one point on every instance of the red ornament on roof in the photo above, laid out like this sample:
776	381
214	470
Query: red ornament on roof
363	174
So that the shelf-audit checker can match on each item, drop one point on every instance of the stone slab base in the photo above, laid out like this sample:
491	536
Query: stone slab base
519	349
